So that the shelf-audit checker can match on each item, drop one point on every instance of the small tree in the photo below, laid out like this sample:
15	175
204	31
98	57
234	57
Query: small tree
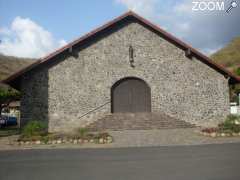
7	95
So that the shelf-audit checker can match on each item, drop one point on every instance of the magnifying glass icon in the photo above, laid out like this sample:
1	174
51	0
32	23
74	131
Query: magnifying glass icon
232	5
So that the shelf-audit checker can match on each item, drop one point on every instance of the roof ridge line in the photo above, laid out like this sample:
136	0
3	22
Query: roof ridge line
155	27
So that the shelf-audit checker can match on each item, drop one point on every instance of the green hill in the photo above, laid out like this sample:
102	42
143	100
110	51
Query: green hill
229	56
10	64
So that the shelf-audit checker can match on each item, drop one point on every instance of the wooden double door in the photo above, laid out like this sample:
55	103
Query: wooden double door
131	95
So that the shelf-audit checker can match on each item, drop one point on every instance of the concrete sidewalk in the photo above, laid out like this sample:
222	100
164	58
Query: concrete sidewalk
135	138
165	137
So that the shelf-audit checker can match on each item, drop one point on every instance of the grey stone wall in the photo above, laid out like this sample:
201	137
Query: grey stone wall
34	102
183	88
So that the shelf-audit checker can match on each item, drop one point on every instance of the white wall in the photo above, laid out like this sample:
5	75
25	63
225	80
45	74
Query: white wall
234	109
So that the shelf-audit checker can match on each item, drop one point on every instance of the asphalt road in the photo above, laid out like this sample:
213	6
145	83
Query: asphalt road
206	162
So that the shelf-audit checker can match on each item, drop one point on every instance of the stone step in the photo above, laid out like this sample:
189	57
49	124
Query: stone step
138	121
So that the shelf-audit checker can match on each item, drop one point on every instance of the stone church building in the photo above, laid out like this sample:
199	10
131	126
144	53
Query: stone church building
127	66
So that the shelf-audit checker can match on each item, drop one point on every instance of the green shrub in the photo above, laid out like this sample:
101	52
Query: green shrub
35	128
232	123
238	71
82	132
45	139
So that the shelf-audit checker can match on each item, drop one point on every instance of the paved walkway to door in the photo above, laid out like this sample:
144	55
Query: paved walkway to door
137	138
165	137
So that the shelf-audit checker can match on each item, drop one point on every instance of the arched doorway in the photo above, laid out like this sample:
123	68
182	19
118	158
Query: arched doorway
130	95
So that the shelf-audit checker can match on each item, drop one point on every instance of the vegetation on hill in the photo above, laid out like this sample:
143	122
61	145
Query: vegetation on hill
229	56
10	64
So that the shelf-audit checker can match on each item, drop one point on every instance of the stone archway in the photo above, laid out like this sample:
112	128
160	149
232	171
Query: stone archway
130	95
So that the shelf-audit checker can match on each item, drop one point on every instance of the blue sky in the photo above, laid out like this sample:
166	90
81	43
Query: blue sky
34	28
64	18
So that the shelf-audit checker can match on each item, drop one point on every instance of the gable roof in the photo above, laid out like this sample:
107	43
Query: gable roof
11	80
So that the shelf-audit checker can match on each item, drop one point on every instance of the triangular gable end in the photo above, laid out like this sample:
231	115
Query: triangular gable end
13	79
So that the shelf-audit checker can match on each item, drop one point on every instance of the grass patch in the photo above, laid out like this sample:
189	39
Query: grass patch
35	128
33	131
36	131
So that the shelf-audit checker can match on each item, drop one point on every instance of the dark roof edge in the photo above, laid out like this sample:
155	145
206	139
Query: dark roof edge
110	23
